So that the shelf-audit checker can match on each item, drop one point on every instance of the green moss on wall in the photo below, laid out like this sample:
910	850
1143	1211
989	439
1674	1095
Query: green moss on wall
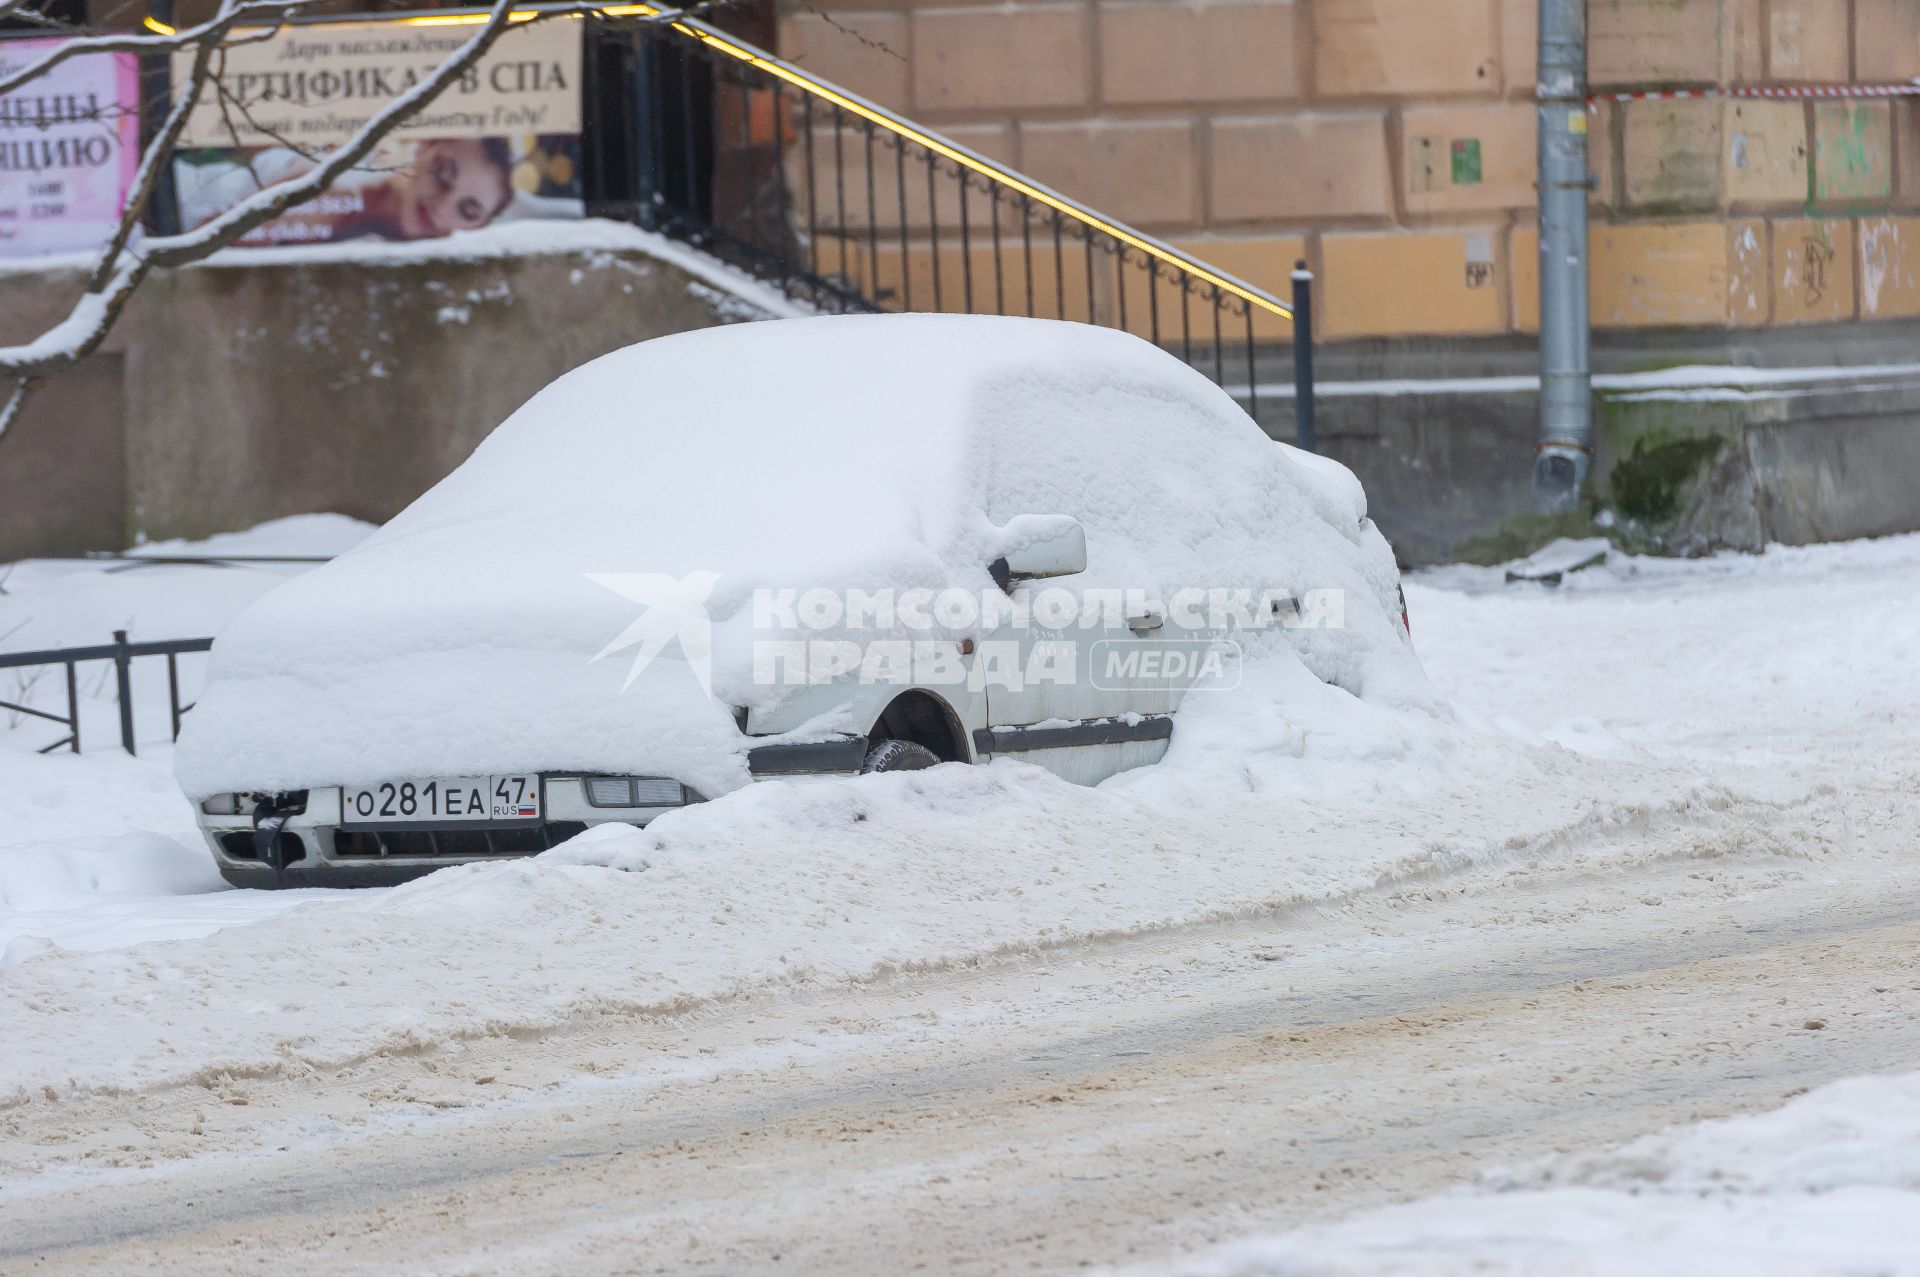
1650	484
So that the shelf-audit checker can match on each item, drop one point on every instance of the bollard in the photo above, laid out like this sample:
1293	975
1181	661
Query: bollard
1304	426
123	685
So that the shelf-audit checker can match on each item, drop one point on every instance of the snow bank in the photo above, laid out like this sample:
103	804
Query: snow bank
832	454
74	602
1828	1184
1641	573
595	238
1738	657
1711	381
53	844
785	881
100	851
1292	789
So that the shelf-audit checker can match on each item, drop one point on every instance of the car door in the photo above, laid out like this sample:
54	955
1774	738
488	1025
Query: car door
1072	687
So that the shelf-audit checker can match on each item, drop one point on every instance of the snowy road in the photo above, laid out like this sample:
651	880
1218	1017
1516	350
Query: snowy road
1650	958
1106	1103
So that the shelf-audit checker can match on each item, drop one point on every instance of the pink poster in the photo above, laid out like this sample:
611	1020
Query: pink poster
69	145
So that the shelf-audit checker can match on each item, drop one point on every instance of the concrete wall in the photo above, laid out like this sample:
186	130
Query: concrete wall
1440	430
234	394
1391	142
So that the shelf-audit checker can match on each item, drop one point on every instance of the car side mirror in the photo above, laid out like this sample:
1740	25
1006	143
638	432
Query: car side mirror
1042	546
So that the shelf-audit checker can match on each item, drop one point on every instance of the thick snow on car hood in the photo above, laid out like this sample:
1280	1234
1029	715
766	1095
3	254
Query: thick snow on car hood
869	452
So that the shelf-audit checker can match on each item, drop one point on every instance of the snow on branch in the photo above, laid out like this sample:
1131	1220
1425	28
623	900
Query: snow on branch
215	29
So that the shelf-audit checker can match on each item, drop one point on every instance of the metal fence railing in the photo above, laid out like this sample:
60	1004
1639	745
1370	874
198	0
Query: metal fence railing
844	204
834	199
122	654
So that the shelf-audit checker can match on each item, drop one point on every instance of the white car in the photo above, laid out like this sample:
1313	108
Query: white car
774	550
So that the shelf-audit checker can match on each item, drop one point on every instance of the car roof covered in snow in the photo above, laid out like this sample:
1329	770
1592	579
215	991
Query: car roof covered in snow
848	442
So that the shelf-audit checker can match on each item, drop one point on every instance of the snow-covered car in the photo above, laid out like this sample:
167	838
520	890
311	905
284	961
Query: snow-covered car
774	550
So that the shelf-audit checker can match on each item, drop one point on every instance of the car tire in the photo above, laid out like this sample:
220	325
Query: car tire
898	756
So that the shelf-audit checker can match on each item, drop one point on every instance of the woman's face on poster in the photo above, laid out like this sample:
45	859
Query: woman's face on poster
451	185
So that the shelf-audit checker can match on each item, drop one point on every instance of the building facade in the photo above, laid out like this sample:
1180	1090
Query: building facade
1391	143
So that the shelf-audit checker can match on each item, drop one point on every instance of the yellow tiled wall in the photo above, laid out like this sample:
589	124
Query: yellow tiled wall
1392	141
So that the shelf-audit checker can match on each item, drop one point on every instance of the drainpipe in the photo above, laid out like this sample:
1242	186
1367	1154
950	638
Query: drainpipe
1566	391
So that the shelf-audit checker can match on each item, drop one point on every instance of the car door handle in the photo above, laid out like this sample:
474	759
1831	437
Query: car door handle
1145	622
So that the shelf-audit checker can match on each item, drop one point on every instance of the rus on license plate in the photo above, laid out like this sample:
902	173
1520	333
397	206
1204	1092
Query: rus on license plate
443	800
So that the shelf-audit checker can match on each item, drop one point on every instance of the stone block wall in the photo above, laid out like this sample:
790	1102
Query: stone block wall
233	393
1391	142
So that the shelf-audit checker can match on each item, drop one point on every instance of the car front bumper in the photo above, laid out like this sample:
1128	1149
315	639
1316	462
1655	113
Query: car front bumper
315	851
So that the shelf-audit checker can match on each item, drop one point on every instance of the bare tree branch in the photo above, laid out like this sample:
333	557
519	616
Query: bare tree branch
153	162
137	42
859	37
13	405
35	18
119	269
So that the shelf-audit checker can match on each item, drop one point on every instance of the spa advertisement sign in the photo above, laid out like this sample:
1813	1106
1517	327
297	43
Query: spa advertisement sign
69	146
502	142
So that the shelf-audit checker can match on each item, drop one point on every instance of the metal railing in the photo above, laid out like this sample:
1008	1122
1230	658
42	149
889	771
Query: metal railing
122	654
839	201
848	206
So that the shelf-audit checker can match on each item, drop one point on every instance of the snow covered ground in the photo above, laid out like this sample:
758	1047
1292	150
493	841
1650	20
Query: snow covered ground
1759	706
1828	1184
100	850
1809	657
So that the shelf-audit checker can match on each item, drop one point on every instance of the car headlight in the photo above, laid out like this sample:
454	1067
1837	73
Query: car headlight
634	791
221	805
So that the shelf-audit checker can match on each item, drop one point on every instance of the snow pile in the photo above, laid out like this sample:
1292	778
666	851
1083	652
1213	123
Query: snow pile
1292	789
867	452
604	243
1739	657
47	603
1828	1184
100	850
51	860
822	880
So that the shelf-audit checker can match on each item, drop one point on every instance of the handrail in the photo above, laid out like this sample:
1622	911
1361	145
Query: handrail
873	112
1018	183
666	82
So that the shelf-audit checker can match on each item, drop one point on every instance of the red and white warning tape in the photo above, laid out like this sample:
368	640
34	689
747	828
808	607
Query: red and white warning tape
1764	91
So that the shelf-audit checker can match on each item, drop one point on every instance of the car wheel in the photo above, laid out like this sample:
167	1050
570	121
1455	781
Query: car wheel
898	756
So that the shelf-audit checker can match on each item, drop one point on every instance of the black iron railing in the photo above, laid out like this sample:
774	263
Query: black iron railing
122	654
841	203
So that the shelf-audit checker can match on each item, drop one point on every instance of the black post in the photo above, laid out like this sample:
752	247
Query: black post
647	133
173	691
73	706
1303	358
155	78
123	684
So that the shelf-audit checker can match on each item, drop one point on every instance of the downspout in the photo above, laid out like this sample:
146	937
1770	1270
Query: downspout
1566	391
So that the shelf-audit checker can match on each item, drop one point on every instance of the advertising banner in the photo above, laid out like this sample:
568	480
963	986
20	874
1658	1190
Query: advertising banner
69	146
502	142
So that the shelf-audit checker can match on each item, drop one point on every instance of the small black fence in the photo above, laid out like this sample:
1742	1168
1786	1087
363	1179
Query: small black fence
122	654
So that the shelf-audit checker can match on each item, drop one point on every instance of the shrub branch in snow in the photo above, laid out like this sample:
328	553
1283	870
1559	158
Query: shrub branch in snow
122	263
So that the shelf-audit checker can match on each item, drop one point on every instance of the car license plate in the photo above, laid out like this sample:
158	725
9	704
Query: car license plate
444	800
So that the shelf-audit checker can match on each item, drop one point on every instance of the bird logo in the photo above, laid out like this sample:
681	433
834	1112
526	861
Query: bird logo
675	612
